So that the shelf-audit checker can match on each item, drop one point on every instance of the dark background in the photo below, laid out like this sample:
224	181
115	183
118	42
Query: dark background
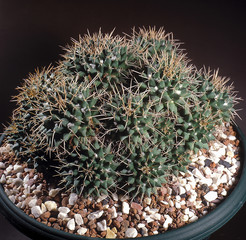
31	33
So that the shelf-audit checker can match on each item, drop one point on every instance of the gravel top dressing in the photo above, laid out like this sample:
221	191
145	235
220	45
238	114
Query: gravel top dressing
210	177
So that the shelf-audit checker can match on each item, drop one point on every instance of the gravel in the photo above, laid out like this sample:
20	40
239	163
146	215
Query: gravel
210	177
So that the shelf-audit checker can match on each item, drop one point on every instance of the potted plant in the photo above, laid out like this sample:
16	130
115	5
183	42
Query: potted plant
124	138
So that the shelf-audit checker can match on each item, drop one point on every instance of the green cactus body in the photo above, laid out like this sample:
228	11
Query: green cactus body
118	114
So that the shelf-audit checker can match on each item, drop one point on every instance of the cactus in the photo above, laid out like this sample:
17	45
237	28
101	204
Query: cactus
118	113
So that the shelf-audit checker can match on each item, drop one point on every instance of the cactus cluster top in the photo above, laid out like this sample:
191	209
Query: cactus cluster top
118	113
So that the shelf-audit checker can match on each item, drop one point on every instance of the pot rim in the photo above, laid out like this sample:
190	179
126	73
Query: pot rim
200	229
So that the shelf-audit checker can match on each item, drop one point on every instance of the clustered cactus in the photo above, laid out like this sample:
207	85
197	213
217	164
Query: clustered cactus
118	113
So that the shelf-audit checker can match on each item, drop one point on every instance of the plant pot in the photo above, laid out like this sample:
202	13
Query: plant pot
200	229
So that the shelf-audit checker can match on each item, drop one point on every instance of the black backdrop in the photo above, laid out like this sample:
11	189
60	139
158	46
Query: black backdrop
31	33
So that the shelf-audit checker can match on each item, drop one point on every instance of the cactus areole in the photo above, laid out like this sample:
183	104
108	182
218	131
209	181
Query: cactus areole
118	113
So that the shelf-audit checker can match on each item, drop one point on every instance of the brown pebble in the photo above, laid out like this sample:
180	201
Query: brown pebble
136	206
57	198
56	226
85	220
124	225
39	202
81	206
93	226
116	224
124	216
134	210
109	222
91	222
52	219
45	215
64	202
99	207
108	217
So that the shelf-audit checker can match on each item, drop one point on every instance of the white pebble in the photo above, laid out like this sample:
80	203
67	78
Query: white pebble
230	154
8	169
148	219
193	218
95	215
187	187
224	178
19	204
197	173
211	196
207	171
71	224
216	179
19	175
186	211
43	208
51	205
168	221
224	192
191	214
36	211
65	210
147	200
82	231
192	198
156	216
207	181
232	138
131	233
185	218
233	169
26	178
168	218
78	219
12	198
141	225
115	197
198	204
73	197
3	179
153	210
125	208
171	203
123	197
102	197
32	202
54	192
178	198
2	165
181	190
177	205
222	135
113	212
102	226
18	168
62	215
